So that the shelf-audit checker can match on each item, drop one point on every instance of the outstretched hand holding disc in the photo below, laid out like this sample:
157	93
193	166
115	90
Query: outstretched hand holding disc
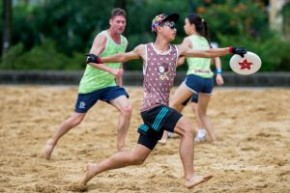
249	64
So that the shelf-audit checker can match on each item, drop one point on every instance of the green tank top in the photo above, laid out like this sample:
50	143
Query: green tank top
95	79
199	66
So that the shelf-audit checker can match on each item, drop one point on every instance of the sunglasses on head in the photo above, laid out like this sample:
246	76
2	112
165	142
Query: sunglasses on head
170	24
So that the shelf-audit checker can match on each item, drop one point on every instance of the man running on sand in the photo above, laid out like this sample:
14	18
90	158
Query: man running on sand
160	62
99	83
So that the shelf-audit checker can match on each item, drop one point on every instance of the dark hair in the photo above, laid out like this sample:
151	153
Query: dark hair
117	12
200	25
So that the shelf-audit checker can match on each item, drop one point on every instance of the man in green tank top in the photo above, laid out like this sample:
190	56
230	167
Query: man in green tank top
101	82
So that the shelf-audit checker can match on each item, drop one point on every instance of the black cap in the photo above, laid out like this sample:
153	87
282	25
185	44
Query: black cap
161	18
172	17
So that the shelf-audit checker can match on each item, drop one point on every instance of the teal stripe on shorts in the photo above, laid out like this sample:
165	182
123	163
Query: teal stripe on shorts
159	118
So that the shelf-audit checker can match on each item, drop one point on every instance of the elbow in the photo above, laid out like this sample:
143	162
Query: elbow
123	59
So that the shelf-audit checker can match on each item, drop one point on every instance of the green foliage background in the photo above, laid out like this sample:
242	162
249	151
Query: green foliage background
54	35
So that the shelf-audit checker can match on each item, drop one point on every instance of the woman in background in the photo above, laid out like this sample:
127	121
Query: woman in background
199	80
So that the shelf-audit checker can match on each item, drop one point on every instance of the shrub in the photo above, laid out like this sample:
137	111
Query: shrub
42	57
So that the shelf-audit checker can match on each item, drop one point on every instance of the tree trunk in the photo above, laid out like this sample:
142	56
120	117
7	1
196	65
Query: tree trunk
276	19
7	19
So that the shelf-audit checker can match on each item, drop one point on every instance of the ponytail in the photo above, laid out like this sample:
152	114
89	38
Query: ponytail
200	25
205	32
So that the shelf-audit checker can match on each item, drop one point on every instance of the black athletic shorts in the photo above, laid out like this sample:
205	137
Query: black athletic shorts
156	120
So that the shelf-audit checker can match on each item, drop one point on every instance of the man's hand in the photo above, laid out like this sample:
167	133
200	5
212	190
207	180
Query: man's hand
92	58
238	50
118	73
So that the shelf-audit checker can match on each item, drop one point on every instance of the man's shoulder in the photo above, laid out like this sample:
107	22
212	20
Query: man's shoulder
145	45
180	48
101	37
102	34
141	46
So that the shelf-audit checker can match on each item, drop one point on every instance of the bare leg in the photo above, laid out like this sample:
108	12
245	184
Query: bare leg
164	138
117	160
186	150
194	107
74	120
201	132
125	108
180	95
202	111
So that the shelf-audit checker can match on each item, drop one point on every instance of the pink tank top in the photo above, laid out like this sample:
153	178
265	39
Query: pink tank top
159	73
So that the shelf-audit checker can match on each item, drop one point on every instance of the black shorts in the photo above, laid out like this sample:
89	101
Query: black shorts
156	120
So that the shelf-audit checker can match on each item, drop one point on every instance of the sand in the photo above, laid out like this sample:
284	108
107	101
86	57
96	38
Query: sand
253	154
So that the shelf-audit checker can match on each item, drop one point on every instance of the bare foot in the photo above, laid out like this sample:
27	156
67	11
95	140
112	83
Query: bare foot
195	180
162	141
89	173
47	150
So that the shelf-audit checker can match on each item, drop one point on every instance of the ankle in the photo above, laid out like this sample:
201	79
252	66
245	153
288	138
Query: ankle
51	142
188	178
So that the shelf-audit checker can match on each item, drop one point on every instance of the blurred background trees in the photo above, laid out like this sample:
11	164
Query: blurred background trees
55	34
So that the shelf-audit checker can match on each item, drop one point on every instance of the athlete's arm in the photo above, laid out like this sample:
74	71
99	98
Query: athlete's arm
218	66
210	53
180	60
185	43
137	53
119	78
98	47
123	57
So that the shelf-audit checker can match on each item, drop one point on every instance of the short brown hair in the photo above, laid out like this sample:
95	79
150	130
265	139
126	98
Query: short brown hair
118	11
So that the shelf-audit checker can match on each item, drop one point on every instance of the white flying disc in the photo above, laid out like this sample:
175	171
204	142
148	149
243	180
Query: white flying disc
247	65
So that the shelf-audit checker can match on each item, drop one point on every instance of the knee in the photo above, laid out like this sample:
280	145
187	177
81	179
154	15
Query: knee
126	110
191	132
201	112
137	160
76	120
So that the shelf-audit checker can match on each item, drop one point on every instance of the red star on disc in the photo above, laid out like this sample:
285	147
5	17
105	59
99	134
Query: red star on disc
245	64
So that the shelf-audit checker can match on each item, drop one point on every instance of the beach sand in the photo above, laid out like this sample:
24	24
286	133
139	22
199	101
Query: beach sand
252	155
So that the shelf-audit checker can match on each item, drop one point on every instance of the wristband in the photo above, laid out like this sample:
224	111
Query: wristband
218	71
99	60
92	58
231	49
